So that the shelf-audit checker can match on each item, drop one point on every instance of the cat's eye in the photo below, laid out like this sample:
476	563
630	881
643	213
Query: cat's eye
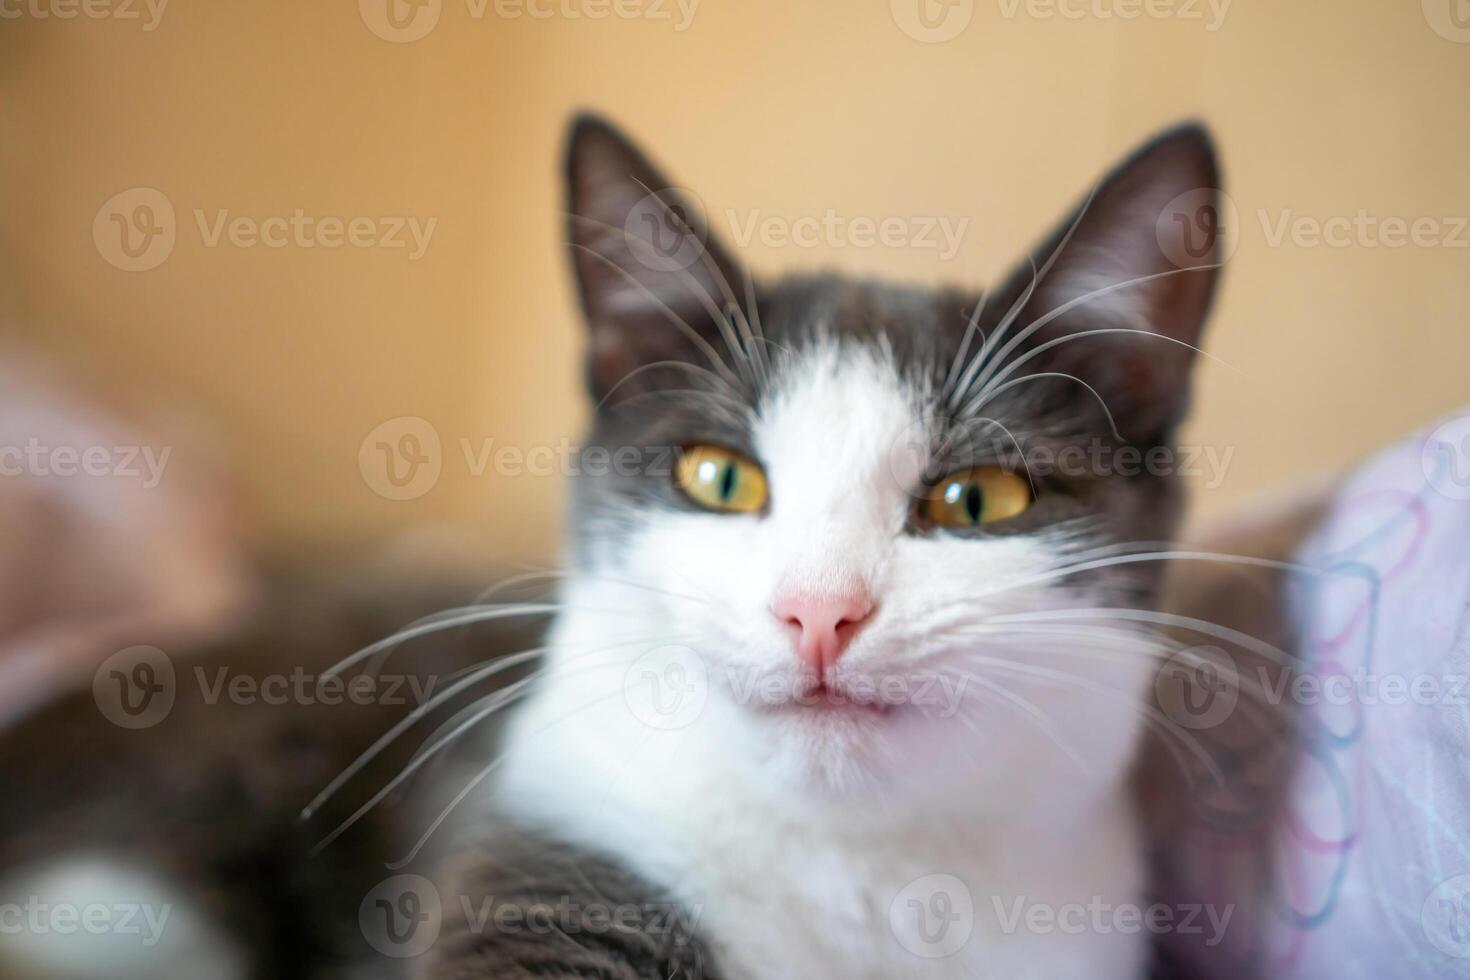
976	496
722	480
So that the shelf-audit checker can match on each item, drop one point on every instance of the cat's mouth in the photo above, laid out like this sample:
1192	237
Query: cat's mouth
824	699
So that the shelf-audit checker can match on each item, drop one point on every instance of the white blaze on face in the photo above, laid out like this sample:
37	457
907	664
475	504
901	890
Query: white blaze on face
836	436
827	437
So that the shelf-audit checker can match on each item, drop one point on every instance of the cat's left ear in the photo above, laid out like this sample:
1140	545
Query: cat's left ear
1121	288
654	284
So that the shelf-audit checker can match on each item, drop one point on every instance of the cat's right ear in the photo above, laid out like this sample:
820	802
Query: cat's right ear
653	284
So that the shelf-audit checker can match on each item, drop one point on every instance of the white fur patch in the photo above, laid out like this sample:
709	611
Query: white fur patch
88	917
663	735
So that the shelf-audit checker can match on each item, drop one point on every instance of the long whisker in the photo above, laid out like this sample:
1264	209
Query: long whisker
482	775
989	423
494	702
1064	308
1041	348
985	395
716	361
1191	623
1149	713
1037	277
1122	645
448	619
1093	564
668	365
748	366
470	679
754	320
541	571
1029	709
971	328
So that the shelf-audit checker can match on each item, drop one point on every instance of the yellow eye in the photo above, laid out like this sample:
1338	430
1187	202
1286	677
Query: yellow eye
981	495
718	479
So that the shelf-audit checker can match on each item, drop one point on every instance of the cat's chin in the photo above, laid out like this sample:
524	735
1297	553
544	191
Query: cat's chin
840	749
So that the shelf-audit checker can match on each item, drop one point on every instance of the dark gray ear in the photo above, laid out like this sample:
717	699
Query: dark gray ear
653	283
1128	277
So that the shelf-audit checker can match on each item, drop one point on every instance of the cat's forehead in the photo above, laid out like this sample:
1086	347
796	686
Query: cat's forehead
839	398
913	327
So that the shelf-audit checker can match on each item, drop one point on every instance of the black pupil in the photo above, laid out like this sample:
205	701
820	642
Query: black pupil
727	481
974	502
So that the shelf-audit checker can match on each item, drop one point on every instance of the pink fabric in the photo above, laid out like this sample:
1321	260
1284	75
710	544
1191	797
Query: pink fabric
136	545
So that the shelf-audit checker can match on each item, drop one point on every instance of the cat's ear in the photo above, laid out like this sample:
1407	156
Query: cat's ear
1127	280
652	281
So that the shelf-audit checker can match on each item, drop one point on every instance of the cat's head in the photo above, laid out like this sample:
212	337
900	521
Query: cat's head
868	528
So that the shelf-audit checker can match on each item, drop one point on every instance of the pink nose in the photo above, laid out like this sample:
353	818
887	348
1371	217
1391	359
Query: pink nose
827	624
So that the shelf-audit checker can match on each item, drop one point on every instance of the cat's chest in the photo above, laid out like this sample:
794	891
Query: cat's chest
806	906
779	887
775	897
936	905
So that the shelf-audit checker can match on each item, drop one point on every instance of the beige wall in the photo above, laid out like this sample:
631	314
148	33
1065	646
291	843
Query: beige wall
1322	107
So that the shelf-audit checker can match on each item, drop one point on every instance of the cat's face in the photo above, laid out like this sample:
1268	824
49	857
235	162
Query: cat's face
867	529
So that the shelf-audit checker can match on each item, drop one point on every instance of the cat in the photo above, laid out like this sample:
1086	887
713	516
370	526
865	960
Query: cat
847	668
741	698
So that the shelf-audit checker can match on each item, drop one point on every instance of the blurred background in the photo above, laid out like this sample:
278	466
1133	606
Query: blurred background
282	238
